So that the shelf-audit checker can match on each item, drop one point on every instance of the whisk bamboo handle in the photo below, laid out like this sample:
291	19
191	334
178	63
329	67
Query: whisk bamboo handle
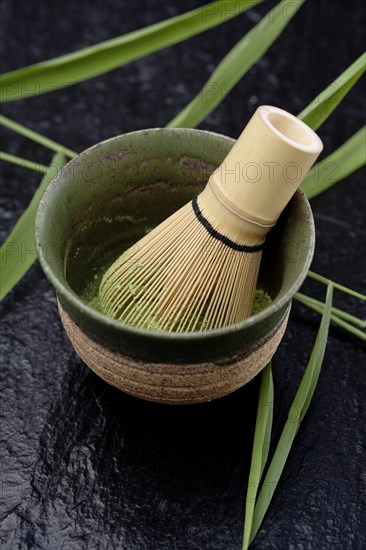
265	167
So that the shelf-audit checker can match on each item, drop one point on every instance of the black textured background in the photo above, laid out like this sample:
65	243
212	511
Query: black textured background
85	466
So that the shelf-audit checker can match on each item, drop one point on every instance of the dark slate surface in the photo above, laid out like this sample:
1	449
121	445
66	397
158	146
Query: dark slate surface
87	467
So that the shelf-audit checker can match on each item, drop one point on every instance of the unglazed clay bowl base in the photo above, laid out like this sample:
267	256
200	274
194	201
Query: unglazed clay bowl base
169	383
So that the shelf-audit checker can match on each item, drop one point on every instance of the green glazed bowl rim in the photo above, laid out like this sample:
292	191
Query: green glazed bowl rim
69	295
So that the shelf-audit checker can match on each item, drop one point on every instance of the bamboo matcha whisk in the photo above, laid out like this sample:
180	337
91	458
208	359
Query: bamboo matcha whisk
198	269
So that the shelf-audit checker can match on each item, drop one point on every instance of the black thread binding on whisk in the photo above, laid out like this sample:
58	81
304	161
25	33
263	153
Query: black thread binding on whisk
216	235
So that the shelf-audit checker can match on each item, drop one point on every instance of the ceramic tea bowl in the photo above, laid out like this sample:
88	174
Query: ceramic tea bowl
107	198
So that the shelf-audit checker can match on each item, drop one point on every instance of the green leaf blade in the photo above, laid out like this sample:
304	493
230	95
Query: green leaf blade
339	317
235	65
348	158
18	253
342	288
318	306
100	58
324	104
262	439
35	136
296	414
23	163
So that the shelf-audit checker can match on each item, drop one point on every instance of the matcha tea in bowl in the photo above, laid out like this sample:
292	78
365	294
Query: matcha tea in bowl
109	199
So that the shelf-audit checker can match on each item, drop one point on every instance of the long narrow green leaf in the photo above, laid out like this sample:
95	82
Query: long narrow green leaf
336	312
324	104
236	64
351	156
345	289
18	252
83	64
262	439
34	136
24	163
338	317
296	414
